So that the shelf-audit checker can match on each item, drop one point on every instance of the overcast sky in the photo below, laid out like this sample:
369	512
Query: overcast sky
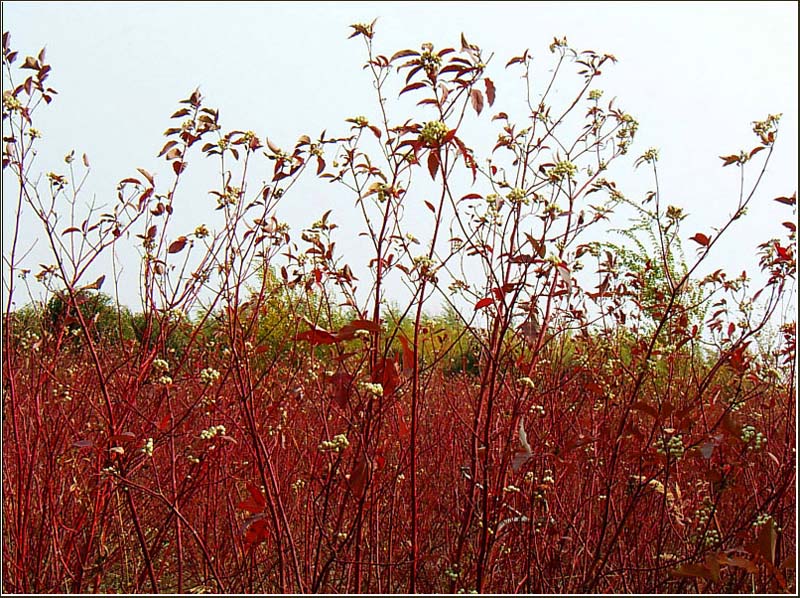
694	74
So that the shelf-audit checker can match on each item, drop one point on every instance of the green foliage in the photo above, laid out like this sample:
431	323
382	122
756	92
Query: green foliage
655	264
105	320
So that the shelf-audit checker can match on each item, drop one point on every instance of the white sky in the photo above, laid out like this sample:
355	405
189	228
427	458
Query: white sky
694	74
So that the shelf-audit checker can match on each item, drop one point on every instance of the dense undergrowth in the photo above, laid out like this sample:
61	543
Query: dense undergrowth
263	425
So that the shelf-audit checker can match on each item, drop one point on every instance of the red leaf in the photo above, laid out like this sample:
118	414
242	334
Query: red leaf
518	59
163	425
95	286
767	537
146	194
257	532
167	146
358	477
789	201
433	163
403	54
173	154
490	90
430	206
380	461
122	437
408	354
256	503
693	570
701	239
348	331
565	275
483	303
386	374
402	428
738	561
147	175
178	166
477	100
342	383
365	325
412	87
645	408
177	245
317	336
30	63
730	425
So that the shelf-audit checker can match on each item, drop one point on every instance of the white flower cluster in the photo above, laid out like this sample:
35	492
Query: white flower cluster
755	440
526	381
674	446
548	477
209	376
29	341
562	170
147	449
337	445
711	537
433	132
372	388
518	196
211	432
762	519
703	513
595	94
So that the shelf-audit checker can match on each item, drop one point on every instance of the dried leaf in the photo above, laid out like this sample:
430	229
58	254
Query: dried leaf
147	175
177	245
693	570
789	201
767	538
173	154
317	336
522	457
490	91
505	522
477	100
738	561
95	286
412	87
